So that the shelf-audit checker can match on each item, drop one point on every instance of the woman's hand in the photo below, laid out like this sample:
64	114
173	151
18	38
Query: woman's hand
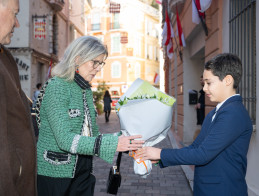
148	153
127	143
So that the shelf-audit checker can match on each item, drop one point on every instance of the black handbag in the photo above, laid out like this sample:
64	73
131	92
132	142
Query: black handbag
114	179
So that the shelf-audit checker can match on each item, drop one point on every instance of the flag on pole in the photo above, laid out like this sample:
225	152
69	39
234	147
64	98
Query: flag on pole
180	30
167	35
159	1
49	70
156	78
198	9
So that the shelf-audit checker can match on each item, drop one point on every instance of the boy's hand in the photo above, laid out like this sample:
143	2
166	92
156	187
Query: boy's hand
148	153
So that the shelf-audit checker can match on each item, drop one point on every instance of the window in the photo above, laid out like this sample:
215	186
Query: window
115	43
116	21
70	4
156	53
116	69
137	70
146	51
137	46
149	27
96	22
242	42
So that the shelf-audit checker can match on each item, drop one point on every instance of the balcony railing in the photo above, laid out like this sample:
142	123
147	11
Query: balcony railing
114	25
96	27
57	5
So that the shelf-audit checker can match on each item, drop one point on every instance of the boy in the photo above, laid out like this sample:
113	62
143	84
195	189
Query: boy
219	152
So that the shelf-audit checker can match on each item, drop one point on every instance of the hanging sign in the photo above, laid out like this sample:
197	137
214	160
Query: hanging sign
114	7
39	27
124	38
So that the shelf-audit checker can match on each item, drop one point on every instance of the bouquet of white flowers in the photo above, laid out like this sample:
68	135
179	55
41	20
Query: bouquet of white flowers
144	110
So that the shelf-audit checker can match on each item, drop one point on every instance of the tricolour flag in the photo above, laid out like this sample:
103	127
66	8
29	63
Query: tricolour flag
167	35
180	30
198	9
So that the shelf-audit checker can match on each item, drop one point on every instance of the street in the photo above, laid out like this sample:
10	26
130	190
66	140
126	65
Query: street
167	181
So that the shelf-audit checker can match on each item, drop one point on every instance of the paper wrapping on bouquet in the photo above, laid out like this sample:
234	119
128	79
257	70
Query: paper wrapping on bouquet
144	110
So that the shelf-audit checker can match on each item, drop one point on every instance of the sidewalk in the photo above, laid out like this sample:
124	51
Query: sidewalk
167	181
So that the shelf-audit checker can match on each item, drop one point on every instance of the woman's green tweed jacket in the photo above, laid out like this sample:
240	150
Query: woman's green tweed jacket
61	120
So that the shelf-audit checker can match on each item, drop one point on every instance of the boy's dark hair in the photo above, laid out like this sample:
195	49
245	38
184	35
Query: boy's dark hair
38	85
226	64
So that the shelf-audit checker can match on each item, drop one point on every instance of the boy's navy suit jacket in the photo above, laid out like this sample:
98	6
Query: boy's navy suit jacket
219	152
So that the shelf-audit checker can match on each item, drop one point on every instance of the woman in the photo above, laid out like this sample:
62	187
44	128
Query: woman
107	105
68	134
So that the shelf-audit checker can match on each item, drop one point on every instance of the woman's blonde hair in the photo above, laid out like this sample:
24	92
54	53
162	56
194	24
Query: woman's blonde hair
81	50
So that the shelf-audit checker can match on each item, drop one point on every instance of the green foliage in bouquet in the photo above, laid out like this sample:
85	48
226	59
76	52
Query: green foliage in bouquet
164	99
147	91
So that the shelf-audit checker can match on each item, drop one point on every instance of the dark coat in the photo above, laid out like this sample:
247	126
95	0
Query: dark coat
219	152
201	111
107	103
17	141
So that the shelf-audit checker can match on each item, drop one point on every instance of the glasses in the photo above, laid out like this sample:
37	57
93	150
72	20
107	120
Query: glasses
96	64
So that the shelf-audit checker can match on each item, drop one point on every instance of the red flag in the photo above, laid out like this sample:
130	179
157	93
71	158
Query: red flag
49	70
167	36
159	1
156	78
180	30
198	5
198	9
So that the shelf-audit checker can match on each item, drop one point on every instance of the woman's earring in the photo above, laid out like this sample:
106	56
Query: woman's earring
77	71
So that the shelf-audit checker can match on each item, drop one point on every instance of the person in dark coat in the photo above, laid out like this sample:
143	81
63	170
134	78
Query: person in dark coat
107	105
17	140
200	106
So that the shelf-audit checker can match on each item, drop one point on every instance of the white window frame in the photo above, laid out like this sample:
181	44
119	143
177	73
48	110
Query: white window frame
112	43
116	65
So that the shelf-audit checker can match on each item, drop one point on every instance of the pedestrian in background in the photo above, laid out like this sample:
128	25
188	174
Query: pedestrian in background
200	109
107	105
35	94
17	141
200	106
219	152
68	133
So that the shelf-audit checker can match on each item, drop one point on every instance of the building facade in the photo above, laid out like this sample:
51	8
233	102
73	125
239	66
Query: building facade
232	27
46	29
130	31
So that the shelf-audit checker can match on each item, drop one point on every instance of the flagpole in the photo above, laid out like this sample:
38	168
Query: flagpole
180	52
202	21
